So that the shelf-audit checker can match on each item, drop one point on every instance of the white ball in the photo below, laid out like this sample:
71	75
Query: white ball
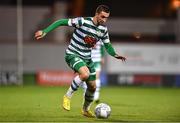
102	110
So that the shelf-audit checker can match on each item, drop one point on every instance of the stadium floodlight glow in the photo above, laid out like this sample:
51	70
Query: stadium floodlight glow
175	4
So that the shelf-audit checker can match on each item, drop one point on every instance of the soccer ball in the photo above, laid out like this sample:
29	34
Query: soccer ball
102	110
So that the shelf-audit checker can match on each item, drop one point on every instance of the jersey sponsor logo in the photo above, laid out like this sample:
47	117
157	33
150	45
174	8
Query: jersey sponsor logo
91	41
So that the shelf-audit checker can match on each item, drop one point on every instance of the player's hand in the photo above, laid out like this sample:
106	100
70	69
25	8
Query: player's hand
120	57
39	34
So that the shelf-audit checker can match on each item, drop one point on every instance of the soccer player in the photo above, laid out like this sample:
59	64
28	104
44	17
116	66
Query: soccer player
88	31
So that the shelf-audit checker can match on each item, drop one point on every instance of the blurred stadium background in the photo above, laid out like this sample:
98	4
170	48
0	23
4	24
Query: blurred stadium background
147	32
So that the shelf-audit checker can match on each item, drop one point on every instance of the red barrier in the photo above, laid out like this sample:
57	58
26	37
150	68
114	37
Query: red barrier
55	78
148	79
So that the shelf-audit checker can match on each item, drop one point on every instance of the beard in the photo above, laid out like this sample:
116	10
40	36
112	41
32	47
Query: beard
100	23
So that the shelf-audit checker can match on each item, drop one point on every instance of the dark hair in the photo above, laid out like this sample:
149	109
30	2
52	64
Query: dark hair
103	8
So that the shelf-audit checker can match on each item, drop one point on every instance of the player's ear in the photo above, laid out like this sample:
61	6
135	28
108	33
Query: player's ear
96	14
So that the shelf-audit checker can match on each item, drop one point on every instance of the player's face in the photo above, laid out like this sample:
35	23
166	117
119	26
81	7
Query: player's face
102	17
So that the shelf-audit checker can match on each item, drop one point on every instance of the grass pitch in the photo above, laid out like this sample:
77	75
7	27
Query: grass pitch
34	103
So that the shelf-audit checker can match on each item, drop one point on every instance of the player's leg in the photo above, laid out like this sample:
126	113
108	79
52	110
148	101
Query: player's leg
89	94
97	66
83	74
88	99
77	65
78	81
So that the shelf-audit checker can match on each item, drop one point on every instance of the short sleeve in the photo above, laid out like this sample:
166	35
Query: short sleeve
76	22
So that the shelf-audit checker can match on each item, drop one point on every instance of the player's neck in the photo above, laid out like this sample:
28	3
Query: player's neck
95	21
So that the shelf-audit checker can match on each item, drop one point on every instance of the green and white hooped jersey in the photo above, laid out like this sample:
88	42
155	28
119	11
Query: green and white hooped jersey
85	27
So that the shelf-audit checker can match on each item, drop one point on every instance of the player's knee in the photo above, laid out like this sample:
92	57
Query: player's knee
84	76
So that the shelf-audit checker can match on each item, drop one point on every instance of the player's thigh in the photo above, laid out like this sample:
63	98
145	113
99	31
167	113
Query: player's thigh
84	73
74	62
78	65
83	69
